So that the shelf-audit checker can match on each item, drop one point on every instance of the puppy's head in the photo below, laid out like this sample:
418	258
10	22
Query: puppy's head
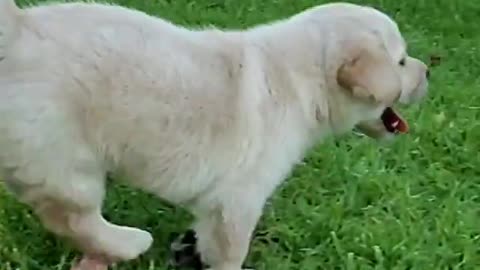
372	72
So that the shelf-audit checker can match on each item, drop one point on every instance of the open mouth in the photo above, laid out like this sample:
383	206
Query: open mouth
393	122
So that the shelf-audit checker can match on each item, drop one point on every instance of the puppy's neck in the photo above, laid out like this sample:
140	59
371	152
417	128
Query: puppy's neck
292	58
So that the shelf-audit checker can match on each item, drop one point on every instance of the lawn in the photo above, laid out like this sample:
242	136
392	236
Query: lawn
353	203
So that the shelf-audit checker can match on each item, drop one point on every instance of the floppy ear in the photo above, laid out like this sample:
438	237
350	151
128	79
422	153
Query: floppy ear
369	73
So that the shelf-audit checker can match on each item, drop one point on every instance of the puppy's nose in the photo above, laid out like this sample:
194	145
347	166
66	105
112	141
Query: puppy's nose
427	73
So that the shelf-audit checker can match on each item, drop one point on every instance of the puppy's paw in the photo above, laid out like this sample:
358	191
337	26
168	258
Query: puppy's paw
183	252
91	263
139	244
125	243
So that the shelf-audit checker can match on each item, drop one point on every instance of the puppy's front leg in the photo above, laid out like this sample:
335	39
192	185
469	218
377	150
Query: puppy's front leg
224	234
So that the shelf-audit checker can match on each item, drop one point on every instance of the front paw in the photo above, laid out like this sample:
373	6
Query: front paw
184	253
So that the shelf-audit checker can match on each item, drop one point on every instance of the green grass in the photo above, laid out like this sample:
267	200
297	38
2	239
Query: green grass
354	204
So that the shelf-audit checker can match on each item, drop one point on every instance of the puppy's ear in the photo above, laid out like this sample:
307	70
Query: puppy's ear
368	72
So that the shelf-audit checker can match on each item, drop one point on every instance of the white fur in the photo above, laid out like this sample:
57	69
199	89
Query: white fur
209	119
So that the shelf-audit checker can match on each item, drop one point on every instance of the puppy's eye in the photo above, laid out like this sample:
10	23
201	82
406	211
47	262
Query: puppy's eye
402	62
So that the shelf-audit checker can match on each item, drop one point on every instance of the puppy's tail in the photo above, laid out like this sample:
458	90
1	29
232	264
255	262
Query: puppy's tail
9	24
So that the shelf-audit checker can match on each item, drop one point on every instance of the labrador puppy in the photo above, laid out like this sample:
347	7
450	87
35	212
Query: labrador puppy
207	119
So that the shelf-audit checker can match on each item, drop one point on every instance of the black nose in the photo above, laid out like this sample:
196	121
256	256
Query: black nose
428	74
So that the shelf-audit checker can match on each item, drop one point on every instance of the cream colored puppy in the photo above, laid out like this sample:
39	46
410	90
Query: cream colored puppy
211	120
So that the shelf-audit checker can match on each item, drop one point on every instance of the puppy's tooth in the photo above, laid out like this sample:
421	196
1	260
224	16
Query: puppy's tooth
395	124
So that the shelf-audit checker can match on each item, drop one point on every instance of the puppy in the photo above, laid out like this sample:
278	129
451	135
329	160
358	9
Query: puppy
207	119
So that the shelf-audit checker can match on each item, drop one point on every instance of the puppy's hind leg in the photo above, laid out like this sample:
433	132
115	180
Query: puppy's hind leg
69	204
48	164
98	239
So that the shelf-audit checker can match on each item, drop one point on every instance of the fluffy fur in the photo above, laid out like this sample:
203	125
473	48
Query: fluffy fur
208	119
